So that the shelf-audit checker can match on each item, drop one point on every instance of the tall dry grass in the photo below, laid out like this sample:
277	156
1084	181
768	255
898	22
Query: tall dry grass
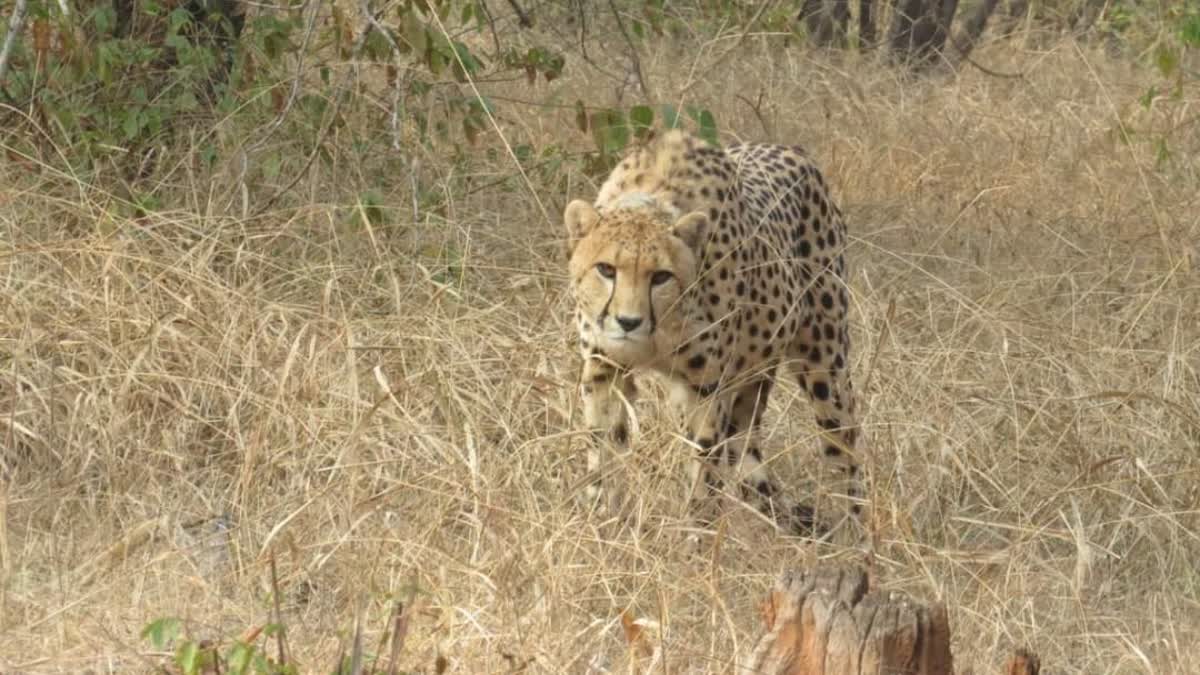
390	408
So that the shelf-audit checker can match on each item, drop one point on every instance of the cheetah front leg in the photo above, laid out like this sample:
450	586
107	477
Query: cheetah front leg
758	486
705	418
606	392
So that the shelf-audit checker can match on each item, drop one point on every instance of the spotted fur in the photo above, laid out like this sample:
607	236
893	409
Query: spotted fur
714	267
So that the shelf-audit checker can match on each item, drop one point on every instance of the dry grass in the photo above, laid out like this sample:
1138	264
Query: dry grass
185	394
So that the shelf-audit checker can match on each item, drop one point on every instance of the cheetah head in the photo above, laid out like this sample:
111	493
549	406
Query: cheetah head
629	267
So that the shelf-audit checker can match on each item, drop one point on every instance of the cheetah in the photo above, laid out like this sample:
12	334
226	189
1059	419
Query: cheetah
712	267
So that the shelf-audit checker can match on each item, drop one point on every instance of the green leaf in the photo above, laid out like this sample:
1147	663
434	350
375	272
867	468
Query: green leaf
370	204
434	60
708	127
413	33
177	42
179	18
162	632
609	131
187	657
641	118
1189	31
239	658
377	47
186	101
471	64
1147	99
1162	152
104	19
271	166
208	153
481	105
131	124
1167	60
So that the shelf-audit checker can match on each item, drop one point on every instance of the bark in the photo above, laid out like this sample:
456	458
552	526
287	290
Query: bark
866	24
974	26
920	28
826	21
828	622
16	23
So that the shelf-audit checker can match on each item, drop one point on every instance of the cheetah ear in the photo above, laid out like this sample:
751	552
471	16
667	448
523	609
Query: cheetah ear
692	229
579	218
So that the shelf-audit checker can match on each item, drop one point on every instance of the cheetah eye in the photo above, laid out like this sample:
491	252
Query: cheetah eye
661	277
607	271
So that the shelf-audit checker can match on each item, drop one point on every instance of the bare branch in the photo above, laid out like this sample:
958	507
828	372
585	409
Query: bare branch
523	18
294	91
633	52
398	85
15	24
338	98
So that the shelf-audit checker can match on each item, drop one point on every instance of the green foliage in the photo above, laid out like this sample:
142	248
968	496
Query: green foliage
1161	114
241	657
162	632
1189	29
612	129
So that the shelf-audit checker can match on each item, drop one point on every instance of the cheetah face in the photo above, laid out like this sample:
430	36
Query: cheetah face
628	271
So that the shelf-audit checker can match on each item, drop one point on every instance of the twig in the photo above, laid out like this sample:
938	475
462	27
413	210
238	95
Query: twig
398	85
583	43
487	14
496	126
633	52
15	24
295	88
356	651
756	106
965	56
399	632
338	98
691	81
281	634
523	18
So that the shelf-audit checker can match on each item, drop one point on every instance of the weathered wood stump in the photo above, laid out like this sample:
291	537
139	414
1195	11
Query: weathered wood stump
828	622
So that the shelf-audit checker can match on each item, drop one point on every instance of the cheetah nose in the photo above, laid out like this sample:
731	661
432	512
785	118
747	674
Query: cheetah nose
629	323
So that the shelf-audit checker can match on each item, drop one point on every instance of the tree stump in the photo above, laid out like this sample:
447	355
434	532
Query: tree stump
827	622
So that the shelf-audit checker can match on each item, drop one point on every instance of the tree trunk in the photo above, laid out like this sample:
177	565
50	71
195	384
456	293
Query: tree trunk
827	622
919	29
1014	15
974	26
826	21
866	24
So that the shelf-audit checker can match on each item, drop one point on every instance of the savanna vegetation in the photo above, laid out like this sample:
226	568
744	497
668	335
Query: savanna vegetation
287	374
